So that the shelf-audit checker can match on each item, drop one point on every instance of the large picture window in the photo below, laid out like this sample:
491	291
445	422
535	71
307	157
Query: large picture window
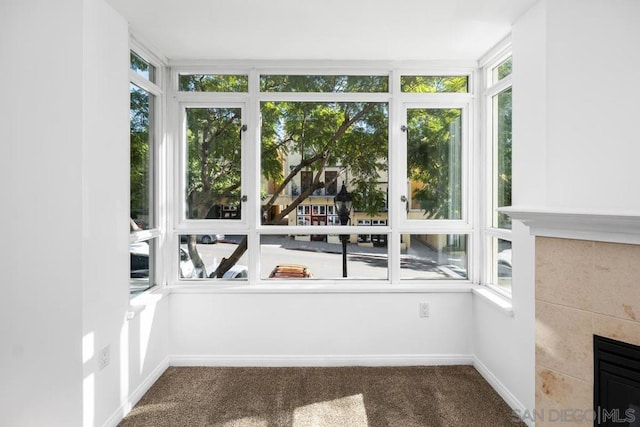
263	160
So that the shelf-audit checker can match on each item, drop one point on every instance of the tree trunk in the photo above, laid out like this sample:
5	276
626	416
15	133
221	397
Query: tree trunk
195	256
227	263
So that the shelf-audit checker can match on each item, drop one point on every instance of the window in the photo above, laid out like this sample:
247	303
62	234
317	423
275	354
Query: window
434	163
213	156
499	147
213	83
321	256
434	84
324	83
201	255
143	215
142	67
260	158
434	256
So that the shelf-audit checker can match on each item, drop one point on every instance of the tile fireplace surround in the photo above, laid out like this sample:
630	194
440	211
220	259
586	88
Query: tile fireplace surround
587	281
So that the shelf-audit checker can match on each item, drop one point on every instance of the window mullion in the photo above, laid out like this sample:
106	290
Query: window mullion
252	168
173	175
397	154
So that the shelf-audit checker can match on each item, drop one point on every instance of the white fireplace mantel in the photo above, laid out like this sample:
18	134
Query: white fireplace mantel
616	227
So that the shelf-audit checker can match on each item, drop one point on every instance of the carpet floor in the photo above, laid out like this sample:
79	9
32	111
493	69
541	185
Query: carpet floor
321	397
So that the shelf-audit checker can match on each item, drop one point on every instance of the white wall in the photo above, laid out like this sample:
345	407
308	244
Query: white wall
41	213
105	172
592	107
319	329
505	345
64	166
575	147
137	347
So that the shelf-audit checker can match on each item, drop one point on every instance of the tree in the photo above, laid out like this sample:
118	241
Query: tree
504	154
434	149
352	136
139	152
434	161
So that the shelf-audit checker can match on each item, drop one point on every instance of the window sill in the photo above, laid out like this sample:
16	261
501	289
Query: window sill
502	303
320	288
139	303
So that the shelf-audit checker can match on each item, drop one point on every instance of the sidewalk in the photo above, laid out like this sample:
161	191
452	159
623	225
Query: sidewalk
289	242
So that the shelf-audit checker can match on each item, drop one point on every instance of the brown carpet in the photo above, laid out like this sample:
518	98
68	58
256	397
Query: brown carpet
321	397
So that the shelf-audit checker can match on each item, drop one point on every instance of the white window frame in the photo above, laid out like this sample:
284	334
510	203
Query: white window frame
396	224
205	226
464	223
157	172
491	232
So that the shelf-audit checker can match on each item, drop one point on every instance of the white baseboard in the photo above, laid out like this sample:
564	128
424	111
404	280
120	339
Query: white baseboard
317	361
322	361
507	396
136	395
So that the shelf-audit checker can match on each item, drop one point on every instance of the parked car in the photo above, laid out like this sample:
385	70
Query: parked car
140	265
238	271
139	253
504	263
205	239
290	271
379	240
187	268
138	224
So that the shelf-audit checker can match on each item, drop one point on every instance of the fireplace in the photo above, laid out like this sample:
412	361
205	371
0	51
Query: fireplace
586	281
616	382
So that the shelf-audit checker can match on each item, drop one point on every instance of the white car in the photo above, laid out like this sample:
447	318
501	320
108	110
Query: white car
236	272
140	265
139	253
205	239
504	263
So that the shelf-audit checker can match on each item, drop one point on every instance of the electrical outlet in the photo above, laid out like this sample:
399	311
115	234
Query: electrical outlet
103	358
424	309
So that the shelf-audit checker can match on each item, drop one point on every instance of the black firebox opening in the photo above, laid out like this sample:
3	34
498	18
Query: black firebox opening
616	387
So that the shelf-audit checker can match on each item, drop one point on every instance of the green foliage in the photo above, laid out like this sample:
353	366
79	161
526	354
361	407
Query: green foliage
140	66
214	159
434	162
314	83
504	154
352	136
213	83
139	152
369	196
434	84
504	69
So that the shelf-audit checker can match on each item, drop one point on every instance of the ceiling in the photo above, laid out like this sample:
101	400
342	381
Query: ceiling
321	29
